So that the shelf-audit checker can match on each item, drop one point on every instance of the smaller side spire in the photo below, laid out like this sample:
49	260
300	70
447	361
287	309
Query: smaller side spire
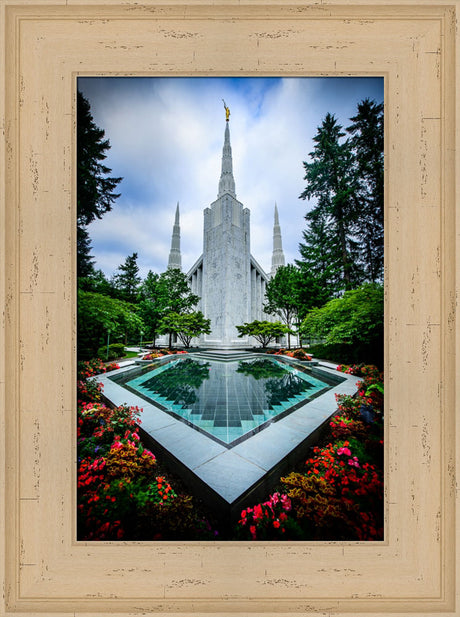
175	260
277	255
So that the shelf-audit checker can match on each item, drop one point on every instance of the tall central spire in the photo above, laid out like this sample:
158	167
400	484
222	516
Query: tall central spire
227	182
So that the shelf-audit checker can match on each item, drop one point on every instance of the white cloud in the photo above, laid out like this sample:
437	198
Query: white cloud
166	140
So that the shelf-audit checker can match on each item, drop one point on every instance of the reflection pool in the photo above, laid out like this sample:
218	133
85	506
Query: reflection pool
228	401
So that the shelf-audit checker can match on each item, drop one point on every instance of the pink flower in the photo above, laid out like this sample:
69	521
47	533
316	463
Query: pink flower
286	503
275	498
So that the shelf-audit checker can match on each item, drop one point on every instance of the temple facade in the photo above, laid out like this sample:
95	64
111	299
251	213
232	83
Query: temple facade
227	278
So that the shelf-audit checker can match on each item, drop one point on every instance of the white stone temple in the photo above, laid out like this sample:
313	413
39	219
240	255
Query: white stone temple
226	277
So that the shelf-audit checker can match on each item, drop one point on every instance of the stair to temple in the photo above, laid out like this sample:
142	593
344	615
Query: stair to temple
225	355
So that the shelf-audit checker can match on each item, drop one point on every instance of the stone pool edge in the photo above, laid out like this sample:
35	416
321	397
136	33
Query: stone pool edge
227	478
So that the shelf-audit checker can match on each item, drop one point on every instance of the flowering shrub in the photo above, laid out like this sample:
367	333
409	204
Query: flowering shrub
158	353
368	371
269	520
158	492
99	425
89	389
119	495
128	460
339	496
343	427
151	356
89	368
334	492
298	354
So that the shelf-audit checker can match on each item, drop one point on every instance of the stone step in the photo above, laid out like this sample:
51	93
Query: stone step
224	355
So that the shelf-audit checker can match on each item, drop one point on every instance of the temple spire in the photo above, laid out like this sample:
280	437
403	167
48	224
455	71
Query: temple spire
278	255
227	182
175	260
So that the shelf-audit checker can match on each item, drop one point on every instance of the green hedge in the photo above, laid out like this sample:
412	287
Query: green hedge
350	354
116	350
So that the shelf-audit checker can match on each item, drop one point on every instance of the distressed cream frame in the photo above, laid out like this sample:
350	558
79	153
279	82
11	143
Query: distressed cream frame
44	46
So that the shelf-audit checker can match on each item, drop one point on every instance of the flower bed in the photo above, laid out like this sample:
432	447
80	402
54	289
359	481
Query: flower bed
158	353
338	495
298	354
121	494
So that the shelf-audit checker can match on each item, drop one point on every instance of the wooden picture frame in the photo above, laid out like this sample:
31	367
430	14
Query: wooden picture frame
45	46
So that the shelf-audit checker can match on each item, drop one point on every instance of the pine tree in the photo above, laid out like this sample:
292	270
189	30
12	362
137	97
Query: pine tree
94	188
331	179
85	263
367	144
127	280
319	266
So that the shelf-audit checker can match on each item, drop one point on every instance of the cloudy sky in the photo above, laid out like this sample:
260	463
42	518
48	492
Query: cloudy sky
166	136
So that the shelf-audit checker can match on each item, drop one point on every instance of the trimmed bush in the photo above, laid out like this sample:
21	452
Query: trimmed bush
116	350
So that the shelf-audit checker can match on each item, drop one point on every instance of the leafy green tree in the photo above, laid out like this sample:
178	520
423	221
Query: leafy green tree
127	280
282	296
97	316
95	189
185	325
354	319
161	294
366	133
263	331
331	179
179	297
152	304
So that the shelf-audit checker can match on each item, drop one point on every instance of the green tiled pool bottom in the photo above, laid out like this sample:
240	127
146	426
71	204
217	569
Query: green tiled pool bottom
227	400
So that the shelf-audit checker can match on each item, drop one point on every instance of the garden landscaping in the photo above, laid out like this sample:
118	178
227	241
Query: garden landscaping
125	493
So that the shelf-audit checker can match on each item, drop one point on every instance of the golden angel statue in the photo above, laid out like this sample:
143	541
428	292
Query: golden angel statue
227	111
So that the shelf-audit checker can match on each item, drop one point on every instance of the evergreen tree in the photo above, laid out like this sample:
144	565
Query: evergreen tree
127	280
85	263
331	179
97	282
367	143
319	266
94	188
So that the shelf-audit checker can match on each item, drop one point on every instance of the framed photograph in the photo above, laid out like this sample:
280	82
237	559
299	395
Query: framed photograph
192	316
46	48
